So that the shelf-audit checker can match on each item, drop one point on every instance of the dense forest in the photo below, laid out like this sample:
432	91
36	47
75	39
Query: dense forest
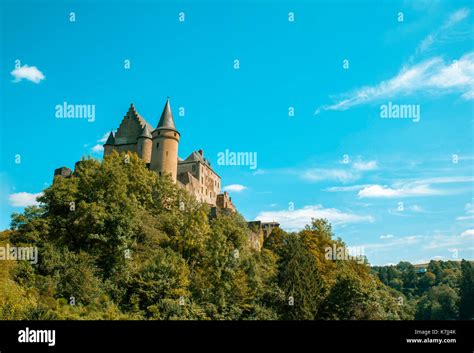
116	242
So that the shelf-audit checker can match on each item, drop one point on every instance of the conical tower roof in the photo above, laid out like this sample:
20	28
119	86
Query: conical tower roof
146	132
166	120
110	139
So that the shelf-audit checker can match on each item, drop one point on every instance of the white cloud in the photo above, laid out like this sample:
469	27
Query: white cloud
234	188
469	208
365	166
30	73
459	241
387	236
298	218
317	174
346	188
456	17
416	208
437	35
97	148
23	199
420	187
374	191
432	76
395	242
469	232
465	218
104	138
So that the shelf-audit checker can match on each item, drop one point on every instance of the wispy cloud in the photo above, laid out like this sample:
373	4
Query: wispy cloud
104	137
23	199
298	218
442	32
467	233
234	188
97	148
393	242
386	236
433	76
365	166
347	188
319	174
379	191
447	241
30	73
412	188
469	208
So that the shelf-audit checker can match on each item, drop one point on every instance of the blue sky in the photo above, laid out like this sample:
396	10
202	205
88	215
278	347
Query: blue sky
400	189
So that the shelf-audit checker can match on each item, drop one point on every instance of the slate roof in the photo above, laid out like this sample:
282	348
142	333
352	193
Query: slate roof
166	120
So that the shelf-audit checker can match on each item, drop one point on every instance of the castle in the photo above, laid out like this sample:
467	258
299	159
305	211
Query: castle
158	148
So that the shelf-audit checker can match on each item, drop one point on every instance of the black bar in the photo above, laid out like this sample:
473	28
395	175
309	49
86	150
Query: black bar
294	336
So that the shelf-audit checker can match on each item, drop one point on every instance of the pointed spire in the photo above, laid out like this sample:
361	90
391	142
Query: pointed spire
110	139
166	120
132	112
146	132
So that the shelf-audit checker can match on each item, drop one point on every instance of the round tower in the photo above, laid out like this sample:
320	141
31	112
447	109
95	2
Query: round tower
144	144
165	140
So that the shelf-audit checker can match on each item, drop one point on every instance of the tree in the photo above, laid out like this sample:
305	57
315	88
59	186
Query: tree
466	289
300	281
439	303
164	277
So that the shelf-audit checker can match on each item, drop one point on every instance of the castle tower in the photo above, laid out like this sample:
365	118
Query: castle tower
144	144
109	144
165	139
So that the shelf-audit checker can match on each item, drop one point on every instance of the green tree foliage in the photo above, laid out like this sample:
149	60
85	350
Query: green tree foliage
116	241
300	280
439	303
466	306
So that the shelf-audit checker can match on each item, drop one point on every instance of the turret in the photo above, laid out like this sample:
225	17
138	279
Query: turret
165	140
144	144
109	144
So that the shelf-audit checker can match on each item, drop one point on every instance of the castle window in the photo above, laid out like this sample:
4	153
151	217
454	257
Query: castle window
175	134
194	167
158	132
166	153
157	144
